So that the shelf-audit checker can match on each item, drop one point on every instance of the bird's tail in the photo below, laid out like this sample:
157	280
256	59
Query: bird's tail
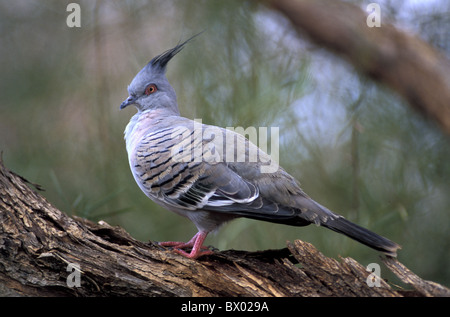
362	235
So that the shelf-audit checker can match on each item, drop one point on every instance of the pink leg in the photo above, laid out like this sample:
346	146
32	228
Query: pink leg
196	243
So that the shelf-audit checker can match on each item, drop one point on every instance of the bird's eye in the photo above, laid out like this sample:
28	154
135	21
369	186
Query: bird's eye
150	89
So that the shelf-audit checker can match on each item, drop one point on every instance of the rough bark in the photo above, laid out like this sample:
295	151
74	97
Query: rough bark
402	61
38	243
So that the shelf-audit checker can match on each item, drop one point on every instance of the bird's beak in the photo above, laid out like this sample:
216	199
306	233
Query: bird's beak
129	101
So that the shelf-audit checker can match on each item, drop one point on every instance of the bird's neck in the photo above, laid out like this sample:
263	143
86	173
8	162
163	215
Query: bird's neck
142	121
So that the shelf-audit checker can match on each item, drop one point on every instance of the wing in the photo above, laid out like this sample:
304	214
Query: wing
177	167
185	170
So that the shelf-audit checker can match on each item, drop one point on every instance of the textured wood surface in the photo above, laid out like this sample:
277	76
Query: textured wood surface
38	243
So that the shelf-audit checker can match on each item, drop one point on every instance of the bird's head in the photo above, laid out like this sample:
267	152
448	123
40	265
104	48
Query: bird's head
150	88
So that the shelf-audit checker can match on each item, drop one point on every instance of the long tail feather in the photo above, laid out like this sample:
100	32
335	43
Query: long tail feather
363	235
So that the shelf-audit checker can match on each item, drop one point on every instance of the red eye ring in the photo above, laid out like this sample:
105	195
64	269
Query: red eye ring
150	89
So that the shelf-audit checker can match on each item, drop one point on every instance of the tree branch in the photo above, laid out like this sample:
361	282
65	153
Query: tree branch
42	249
400	60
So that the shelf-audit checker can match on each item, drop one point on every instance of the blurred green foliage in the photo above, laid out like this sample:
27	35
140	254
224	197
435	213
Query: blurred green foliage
355	146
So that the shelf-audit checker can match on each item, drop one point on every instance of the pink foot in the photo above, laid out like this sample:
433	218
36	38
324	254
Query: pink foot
196	243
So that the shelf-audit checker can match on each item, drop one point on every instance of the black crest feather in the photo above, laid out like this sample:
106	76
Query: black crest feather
161	61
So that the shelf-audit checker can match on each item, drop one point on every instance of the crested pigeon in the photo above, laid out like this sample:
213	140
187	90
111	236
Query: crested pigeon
212	175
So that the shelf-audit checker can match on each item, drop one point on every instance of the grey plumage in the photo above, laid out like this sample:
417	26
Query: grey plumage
212	175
